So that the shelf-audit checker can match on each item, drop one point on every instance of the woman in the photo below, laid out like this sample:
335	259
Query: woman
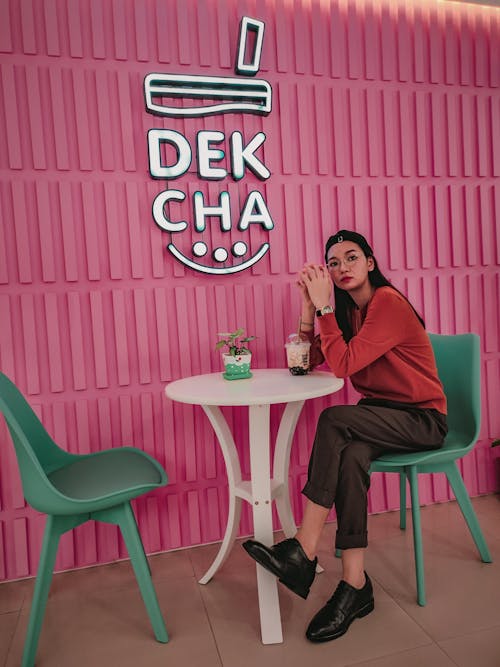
375	337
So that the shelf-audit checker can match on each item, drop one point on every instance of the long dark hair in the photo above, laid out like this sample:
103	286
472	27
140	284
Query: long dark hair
344	303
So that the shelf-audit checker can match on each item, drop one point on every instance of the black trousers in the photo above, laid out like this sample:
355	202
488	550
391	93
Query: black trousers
348	438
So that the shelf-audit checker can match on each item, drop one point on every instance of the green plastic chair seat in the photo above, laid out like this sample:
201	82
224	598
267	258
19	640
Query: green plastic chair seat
452	449
72	489
105	478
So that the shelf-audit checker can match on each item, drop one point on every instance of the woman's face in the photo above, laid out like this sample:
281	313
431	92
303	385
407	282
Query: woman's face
349	266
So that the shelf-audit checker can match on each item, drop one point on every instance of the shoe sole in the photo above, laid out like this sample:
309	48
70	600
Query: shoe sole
364	611
298	590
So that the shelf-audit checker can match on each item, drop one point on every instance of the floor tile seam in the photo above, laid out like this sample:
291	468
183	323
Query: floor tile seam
54	599
468	634
69	595
396	653
189	553
157	578
10	611
11	642
95	566
405	612
447	654
133	584
21	604
151	557
207	614
161	578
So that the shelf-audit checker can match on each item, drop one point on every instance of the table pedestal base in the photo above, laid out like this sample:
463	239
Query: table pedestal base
260	493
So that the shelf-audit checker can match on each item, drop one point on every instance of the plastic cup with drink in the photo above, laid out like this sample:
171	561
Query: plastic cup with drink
297	354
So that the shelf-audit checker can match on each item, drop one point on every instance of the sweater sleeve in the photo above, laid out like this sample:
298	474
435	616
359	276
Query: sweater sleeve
316	357
386	324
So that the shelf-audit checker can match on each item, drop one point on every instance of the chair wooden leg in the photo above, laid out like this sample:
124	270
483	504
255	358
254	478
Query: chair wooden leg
402	501
55	526
411	472
462	496
124	517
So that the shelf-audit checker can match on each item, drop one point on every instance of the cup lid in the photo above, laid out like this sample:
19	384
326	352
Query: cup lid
296	339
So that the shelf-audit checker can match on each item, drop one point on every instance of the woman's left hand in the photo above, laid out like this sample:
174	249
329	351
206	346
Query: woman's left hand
318	282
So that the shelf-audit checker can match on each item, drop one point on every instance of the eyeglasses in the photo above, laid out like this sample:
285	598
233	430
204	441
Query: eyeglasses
336	264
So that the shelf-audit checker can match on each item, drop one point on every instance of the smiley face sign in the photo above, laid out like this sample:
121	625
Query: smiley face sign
207	96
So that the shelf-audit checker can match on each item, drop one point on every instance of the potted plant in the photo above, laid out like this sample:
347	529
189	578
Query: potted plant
238	357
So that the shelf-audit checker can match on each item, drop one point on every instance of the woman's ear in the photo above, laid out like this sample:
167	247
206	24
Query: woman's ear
371	264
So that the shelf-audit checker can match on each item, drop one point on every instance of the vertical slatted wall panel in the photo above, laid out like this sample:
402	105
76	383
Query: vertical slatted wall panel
386	119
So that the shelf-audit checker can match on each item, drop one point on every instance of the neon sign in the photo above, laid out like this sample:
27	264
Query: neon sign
203	96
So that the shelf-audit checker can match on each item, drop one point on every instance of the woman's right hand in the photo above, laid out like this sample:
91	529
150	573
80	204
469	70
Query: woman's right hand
306	299
318	284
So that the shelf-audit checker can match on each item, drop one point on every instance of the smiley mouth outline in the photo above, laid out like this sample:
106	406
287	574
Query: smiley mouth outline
219	270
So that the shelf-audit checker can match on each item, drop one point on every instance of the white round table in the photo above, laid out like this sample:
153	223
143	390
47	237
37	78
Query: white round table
266	387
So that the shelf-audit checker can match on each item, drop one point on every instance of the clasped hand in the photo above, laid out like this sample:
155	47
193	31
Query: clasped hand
315	285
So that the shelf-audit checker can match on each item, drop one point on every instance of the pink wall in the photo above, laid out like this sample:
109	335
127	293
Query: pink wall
386	118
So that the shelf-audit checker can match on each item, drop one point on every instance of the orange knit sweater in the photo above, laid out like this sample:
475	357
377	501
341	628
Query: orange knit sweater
390	355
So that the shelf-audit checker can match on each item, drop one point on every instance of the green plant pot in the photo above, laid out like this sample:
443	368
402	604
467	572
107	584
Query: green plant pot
238	367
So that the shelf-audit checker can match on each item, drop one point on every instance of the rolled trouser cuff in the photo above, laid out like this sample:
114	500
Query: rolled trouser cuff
321	497
359	541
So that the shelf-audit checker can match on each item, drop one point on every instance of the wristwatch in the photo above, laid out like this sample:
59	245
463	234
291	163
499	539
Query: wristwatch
323	311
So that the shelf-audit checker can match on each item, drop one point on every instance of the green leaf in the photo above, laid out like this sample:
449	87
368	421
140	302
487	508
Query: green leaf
234	342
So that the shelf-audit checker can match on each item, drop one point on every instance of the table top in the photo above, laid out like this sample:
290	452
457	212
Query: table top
267	386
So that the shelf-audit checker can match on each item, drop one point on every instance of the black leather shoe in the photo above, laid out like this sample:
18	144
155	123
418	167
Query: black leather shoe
346	604
287	561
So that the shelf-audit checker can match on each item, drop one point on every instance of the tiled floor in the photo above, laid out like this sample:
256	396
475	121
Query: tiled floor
96	618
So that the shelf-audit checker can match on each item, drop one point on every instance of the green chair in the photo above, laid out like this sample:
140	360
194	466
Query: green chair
73	489
458	364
